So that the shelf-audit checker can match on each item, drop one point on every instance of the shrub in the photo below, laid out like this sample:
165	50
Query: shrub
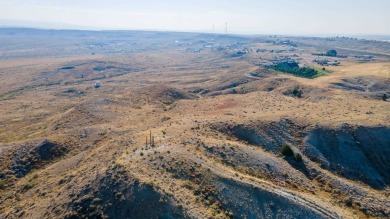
298	157
27	186
286	150
165	118
2	184
297	92
196	192
61	181
384	97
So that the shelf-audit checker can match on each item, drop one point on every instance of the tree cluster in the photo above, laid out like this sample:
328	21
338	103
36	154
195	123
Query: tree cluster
295	70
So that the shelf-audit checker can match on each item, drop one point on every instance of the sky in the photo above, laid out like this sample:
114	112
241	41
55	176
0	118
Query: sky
294	17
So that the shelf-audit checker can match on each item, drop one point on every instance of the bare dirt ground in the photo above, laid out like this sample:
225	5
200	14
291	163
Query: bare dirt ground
71	149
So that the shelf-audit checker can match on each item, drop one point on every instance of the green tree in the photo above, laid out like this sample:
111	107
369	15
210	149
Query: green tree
286	150
332	53
298	157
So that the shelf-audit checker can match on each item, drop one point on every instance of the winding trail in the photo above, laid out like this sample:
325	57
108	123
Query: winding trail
228	173
306	201
248	75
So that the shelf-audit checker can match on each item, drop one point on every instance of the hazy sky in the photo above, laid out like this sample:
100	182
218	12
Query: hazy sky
306	17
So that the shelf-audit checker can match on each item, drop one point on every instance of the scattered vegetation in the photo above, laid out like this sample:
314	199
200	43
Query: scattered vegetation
224	142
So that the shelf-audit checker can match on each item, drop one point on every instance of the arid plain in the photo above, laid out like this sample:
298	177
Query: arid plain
131	124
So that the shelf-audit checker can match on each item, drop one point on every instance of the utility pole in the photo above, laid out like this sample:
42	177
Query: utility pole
150	138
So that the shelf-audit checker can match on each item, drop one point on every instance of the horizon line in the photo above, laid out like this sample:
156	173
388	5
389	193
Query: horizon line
94	29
